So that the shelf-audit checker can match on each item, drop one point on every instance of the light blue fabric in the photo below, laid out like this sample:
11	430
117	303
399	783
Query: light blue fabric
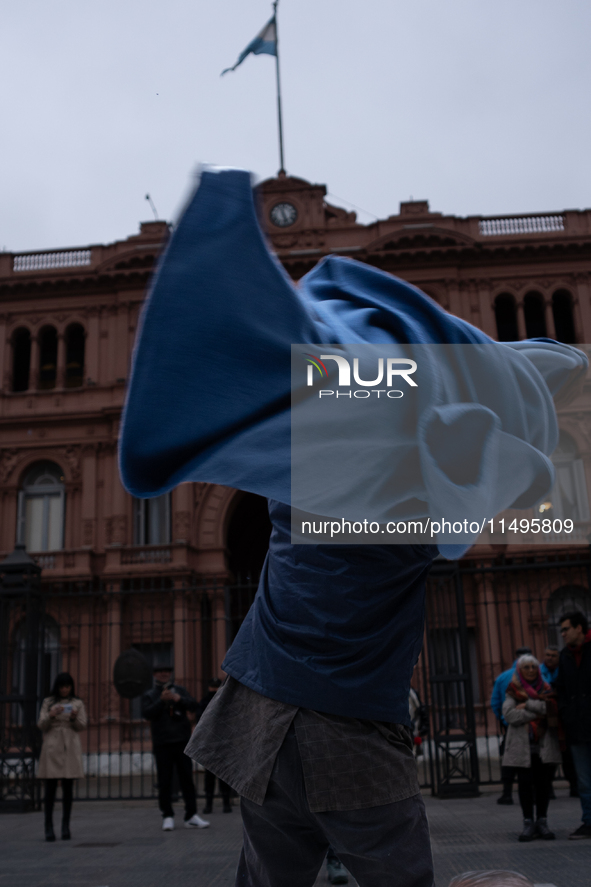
336	628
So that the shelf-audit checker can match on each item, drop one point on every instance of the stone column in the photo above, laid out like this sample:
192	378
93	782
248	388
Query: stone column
119	517
89	481
91	357
487	314
4	355
455	304
550	328
181	514
583	304
521	321
34	366
60	377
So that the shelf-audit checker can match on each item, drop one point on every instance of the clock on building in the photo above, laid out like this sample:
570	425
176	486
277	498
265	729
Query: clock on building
283	215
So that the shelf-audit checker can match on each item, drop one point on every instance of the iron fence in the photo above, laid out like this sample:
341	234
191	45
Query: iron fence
477	614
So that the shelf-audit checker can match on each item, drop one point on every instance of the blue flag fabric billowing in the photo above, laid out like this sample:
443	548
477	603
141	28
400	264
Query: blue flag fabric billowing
332	628
209	396
265	43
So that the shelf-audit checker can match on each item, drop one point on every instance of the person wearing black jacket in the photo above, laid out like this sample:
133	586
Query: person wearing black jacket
209	778
573	688
166	706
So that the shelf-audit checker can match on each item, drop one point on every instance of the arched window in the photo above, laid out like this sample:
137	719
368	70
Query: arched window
568	497
74	355
21	359
535	320
506	317
151	520
47	358
41	508
564	599
562	310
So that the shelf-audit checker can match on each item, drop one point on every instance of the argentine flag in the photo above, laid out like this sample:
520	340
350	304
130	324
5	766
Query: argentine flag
265	42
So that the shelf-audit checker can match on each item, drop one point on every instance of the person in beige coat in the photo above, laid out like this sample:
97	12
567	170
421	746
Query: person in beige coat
61	719
531	745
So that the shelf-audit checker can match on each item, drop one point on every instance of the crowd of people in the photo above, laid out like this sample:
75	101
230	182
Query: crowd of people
545	714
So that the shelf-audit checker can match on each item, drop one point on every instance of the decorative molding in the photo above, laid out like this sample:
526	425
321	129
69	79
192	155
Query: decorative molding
8	461
181	526
72	457
116	529
88	533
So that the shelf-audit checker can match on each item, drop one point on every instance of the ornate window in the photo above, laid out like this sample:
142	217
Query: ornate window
151	520
75	337
535	319
41	508
47	358
562	310
568	497
506	316
21	359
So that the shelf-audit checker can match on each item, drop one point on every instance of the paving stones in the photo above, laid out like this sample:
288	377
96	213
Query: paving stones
121	844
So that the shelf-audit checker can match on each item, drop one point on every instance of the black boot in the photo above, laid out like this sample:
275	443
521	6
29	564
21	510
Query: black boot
208	804
542	829
529	832
49	832
506	797
227	808
67	798
48	802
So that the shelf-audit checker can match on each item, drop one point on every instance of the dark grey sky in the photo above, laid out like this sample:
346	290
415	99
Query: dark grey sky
479	107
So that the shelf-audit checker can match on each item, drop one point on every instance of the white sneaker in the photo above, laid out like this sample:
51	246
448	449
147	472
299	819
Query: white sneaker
196	822
167	824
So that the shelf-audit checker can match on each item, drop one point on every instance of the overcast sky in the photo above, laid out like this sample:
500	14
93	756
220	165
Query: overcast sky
480	107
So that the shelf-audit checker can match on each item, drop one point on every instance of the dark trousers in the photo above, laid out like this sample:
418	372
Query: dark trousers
285	844
508	778
534	787
568	768
169	756
209	787
67	797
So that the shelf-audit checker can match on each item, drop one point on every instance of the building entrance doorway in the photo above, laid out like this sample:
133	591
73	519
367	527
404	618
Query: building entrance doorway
248	537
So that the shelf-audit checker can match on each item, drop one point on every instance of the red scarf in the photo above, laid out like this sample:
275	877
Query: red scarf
522	690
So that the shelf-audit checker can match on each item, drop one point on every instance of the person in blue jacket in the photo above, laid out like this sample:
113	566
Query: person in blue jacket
549	665
496	703
312	725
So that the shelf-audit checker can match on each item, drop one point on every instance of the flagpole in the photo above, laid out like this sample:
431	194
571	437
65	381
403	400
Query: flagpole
279	112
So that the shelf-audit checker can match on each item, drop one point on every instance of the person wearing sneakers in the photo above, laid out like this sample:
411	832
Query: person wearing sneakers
573	686
531	712
166	706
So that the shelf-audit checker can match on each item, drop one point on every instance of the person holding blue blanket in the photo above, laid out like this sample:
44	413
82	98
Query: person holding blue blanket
311	726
